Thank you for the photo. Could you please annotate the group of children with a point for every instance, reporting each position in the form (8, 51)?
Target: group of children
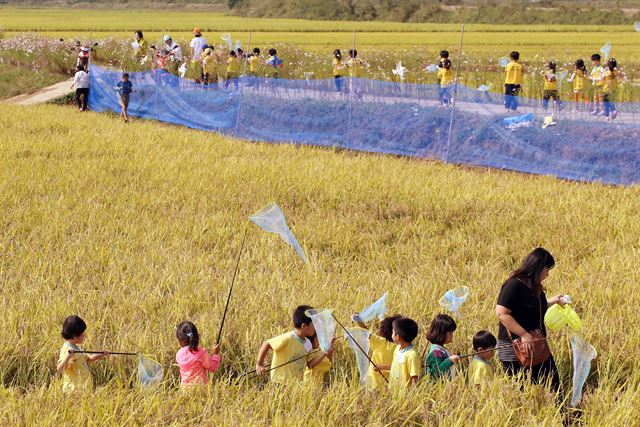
(340, 66)
(296, 354)
(236, 63)
(604, 80)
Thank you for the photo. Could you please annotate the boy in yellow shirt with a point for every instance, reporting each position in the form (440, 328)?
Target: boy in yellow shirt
(513, 82)
(446, 77)
(233, 69)
(406, 366)
(74, 368)
(597, 81)
(254, 62)
(480, 370)
(289, 350)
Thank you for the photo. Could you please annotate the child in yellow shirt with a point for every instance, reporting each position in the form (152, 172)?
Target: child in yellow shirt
(480, 369)
(233, 69)
(578, 80)
(597, 81)
(446, 77)
(354, 63)
(254, 62)
(513, 81)
(550, 88)
(609, 84)
(290, 348)
(210, 67)
(406, 366)
(381, 348)
(73, 366)
(317, 374)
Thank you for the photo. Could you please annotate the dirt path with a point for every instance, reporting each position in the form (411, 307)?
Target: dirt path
(43, 95)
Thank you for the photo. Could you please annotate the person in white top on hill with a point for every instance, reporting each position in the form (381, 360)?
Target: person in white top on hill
(81, 83)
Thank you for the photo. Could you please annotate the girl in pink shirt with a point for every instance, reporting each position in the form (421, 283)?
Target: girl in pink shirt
(194, 361)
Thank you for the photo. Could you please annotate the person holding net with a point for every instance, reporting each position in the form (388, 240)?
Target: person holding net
(72, 363)
(289, 350)
(194, 361)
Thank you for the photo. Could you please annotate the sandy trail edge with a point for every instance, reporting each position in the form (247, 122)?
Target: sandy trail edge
(43, 95)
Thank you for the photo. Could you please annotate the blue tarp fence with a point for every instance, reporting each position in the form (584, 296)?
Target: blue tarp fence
(393, 118)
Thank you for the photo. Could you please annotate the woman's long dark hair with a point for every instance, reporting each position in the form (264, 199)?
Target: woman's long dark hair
(531, 269)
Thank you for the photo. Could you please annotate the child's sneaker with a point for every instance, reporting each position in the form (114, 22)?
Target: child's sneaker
(594, 113)
(601, 113)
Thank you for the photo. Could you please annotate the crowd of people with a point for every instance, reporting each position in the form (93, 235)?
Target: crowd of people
(593, 91)
(395, 363)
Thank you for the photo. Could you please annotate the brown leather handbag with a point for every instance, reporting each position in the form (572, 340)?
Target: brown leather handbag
(538, 355)
(540, 352)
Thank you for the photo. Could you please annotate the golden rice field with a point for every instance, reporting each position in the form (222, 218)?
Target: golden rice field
(135, 227)
(480, 39)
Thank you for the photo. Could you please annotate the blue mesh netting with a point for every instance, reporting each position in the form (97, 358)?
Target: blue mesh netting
(393, 118)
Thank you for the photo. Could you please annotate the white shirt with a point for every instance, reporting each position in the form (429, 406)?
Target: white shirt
(81, 80)
(175, 50)
(197, 43)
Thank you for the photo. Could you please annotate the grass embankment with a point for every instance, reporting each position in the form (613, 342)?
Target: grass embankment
(136, 228)
(15, 80)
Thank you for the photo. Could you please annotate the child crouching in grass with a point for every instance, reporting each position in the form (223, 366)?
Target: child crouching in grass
(193, 360)
(481, 370)
(290, 349)
(439, 361)
(405, 367)
(73, 365)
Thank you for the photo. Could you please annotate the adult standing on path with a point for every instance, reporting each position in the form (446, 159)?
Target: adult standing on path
(522, 304)
(198, 44)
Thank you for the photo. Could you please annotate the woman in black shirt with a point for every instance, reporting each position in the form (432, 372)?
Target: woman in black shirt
(522, 304)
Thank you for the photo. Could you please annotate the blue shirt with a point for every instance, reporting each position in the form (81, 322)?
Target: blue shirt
(124, 88)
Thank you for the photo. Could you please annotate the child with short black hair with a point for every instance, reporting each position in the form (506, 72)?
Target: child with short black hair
(513, 81)
(254, 62)
(444, 55)
(446, 77)
(73, 365)
(354, 63)
(405, 367)
(274, 62)
(233, 69)
(439, 360)
(124, 88)
(597, 82)
(193, 360)
(382, 348)
(480, 369)
(289, 350)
